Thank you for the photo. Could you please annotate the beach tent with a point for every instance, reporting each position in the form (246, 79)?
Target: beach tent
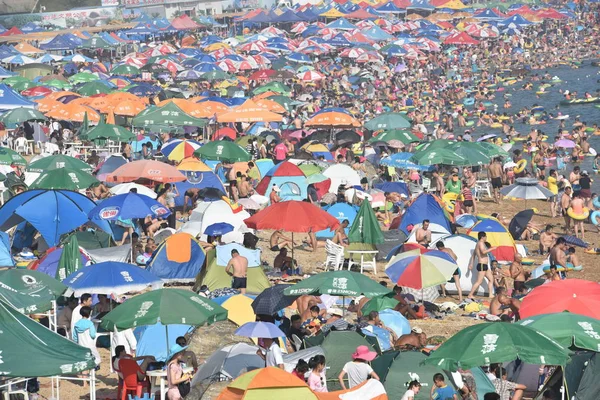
(24, 340)
(267, 383)
(391, 239)
(6, 259)
(338, 347)
(201, 177)
(463, 246)
(425, 206)
(48, 264)
(178, 259)
(437, 232)
(579, 378)
(215, 277)
(228, 362)
(498, 236)
(212, 212)
(288, 177)
(152, 339)
(371, 389)
(341, 174)
(10, 99)
(109, 165)
(341, 211)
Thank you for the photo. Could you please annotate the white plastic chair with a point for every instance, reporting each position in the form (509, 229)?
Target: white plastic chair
(21, 145)
(297, 342)
(483, 186)
(335, 255)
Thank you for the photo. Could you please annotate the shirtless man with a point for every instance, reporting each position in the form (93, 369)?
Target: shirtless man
(412, 339)
(495, 175)
(558, 257)
(547, 239)
(517, 273)
(99, 191)
(278, 241)
(245, 188)
(438, 183)
(483, 270)
(456, 275)
(274, 196)
(339, 235)
(578, 204)
(423, 234)
(190, 195)
(513, 304)
(495, 305)
(565, 203)
(237, 267)
(553, 274)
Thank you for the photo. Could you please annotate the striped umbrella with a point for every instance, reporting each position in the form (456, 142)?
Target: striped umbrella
(179, 149)
(419, 271)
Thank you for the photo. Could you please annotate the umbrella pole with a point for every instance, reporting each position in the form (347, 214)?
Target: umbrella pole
(292, 266)
(167, 332)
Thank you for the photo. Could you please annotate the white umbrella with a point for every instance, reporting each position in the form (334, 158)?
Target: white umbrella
(526, 188)
(124, 188)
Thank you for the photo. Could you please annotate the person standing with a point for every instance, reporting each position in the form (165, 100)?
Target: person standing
(84, 301)
(84, 333)
(495, 175)
(237, 268)
(481, 253)
(440, 390)
(358, 370)
(316, 378)
(271, 353)
(456, 275)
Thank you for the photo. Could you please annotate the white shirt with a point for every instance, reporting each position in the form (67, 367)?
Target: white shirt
(75, 316)
(274, 357)
(124, 338)
(409, 395)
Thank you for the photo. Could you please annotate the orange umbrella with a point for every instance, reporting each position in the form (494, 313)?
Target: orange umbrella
(208, 109)
(189, 107)
(129, 108)
(46, 104)
(271, 105)
(110, 118)
(100, 104)
(73, 112)
(193, 164)
(249, 112)
(265, 95)
(146, 169)
(333, 119)
(117, 97)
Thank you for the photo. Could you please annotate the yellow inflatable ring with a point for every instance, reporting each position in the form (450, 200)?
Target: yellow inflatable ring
(449, 199)
(520, 166)
(578, 217)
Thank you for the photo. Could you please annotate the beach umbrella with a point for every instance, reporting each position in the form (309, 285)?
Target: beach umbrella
(14, 79)
(222, 151)
(526, 188)
(259, 330)
(577, 296)
(37, 91)
(216, 75)
(179, 149)
(57, 83)
(472, 152)
(29, 291)
(337, 283)
(128, 206)
(70, 258)
(109, 131)
(402, 160)
(272, 300)
(83, 77)
(218, 229)
(15, 117)
(11, 157)
(94, 88)
(167, 306)
(124, 188)
(519, 222)
(125, 69)
(419, 271)
(58, 161)
(146, 169)
(24, 340)
(565, 144)
(64, 178)
(18, 60)
(169, 114)
(567, 329)
(403, 136)
(493, 342)
(575, 241)
(433, 156)
(365, 227)
(379, 303)
(388, 121)
(110, 277)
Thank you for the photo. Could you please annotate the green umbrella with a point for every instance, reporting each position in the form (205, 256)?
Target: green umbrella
(58, 161)
(435, 144)
(492, 150)
(16, 116)
(433, 156)
(365, 228)
(169, 114)
(125, 69)
(285, 101)
(29, 291)
(310, 169)
(70, 258)
(337, 283)
(94, 88)
(568, 329)
(387, 121)
(395, 134)
(23, 85)
(14, 79)
(379, 303)
(497, 342)
(30, 349)
(109, 131)
(64, 178)
(167, 306)
(223, 151)
(83, 77)
(471, 152)
(96, 42)
(276, 87)
(11, 157)
(216, 75)
(57, 83)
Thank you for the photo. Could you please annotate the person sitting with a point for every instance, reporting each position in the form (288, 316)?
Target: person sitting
(495, 304)
(339, 235)
(278, 241)
(573, 259)
(297, 330)
(314, 321)
(547, 239)
(121, 354)
(513, 304)
(416, 339)
(374, 320)
(404, 307)
(285, 264)
(504, 386)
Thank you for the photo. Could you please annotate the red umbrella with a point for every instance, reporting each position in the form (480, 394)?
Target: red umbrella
(225, 132)
(37, 91)
(577, 296)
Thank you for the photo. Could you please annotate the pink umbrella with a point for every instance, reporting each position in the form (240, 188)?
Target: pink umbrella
(565, 144)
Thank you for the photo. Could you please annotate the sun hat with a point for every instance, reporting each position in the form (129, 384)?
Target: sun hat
(174, 350)
(363, 353)
(416, 329)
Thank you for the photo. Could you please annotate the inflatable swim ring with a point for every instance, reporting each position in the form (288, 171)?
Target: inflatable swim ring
(488, 103)
(449, 199)
(470, 123)
(596, 202)
(594, 218)
(527, 261)
(562, 117)
(469, 102)
(537, 108)
(589, 129)
(591, 251)
(496, 125)
(578, 217)
(593, 152)
(520, 166)
(520, 139)
(539, 92)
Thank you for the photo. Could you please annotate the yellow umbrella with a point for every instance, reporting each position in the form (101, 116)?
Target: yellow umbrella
(239, 309)
(217, 46)
(332, 13)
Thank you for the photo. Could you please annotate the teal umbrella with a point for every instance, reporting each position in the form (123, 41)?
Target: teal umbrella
(365, 228)
(15, 117)
(63, 178)
(83, 77)
(276, 87)
(337, 283)
(29, 291)
(433, 156)
(58, 161)
(400, 135)
(70, 259)
(568, 329)
(216, 75)
(125, 69)
(11, 157)
(387, 121)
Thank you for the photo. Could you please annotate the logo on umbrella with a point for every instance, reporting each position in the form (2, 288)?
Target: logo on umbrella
(29, 280)
(109, 212)
(154, 172)
(159, 210)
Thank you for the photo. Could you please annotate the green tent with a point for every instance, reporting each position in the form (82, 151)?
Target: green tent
(96, 42)
(338, 347)
(64, 178)
(169, 114)
(15, 117)
(92, 240)
(387, 121)
(30, 349)
(29, 291)
(365, 228)
(70, 259)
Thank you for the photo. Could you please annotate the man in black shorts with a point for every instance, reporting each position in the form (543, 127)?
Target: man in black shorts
(238, 267)
(495, 175)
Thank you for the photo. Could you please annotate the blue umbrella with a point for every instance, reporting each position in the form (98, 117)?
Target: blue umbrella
(127, 206)
(144, 89)
(110, 277)
(52, 212)
(299, 58)
(575, 241)
(259, 330)
(218, 229)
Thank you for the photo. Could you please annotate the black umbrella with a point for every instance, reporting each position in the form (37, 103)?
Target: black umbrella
(519, 223)
(272, 300)
(320, 136)
(210, 193)
(347, 136)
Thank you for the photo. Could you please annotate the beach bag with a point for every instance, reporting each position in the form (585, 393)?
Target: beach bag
(184, 388)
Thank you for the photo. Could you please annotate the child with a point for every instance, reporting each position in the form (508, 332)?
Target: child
(316, 379)
(84, 332)
(440, 390)
(413, 389)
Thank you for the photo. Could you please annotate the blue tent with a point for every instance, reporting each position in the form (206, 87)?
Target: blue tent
(62, 42)
(287, 16)
(389, 8)
(420, 5)
(264, 165)
(308, 15)
(425, 206)
(141, 29)
(487, 15)
(516, 19)
(6, 259)
(197, 180)
(341, 24)
(391, 187)
(11, 99)
(4, 73)
(178, 259)
(341, 211)
(152, 339)
(377, 34)
(31, 27)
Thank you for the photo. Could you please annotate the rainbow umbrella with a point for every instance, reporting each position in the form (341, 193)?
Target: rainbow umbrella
(419, 271)
(178, 149)
(498, 236)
